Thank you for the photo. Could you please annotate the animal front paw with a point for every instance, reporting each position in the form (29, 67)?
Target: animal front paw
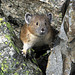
(24, 52)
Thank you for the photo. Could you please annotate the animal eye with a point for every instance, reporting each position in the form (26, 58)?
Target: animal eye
(36, 23)
(45, 23)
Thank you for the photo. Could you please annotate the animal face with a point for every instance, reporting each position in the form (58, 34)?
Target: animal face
(39, 24)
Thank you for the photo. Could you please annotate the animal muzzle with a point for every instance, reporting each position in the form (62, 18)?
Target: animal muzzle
(43, 31)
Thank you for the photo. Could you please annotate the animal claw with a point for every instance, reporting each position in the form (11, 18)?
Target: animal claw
(24, 55)
(24, 52)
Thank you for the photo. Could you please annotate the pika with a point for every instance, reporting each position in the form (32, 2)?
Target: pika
(37, 31)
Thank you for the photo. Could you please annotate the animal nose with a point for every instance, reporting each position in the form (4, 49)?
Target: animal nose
(42, 29)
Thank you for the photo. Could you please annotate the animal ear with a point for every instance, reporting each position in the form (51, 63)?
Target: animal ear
(49, 15)
(28, 18)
